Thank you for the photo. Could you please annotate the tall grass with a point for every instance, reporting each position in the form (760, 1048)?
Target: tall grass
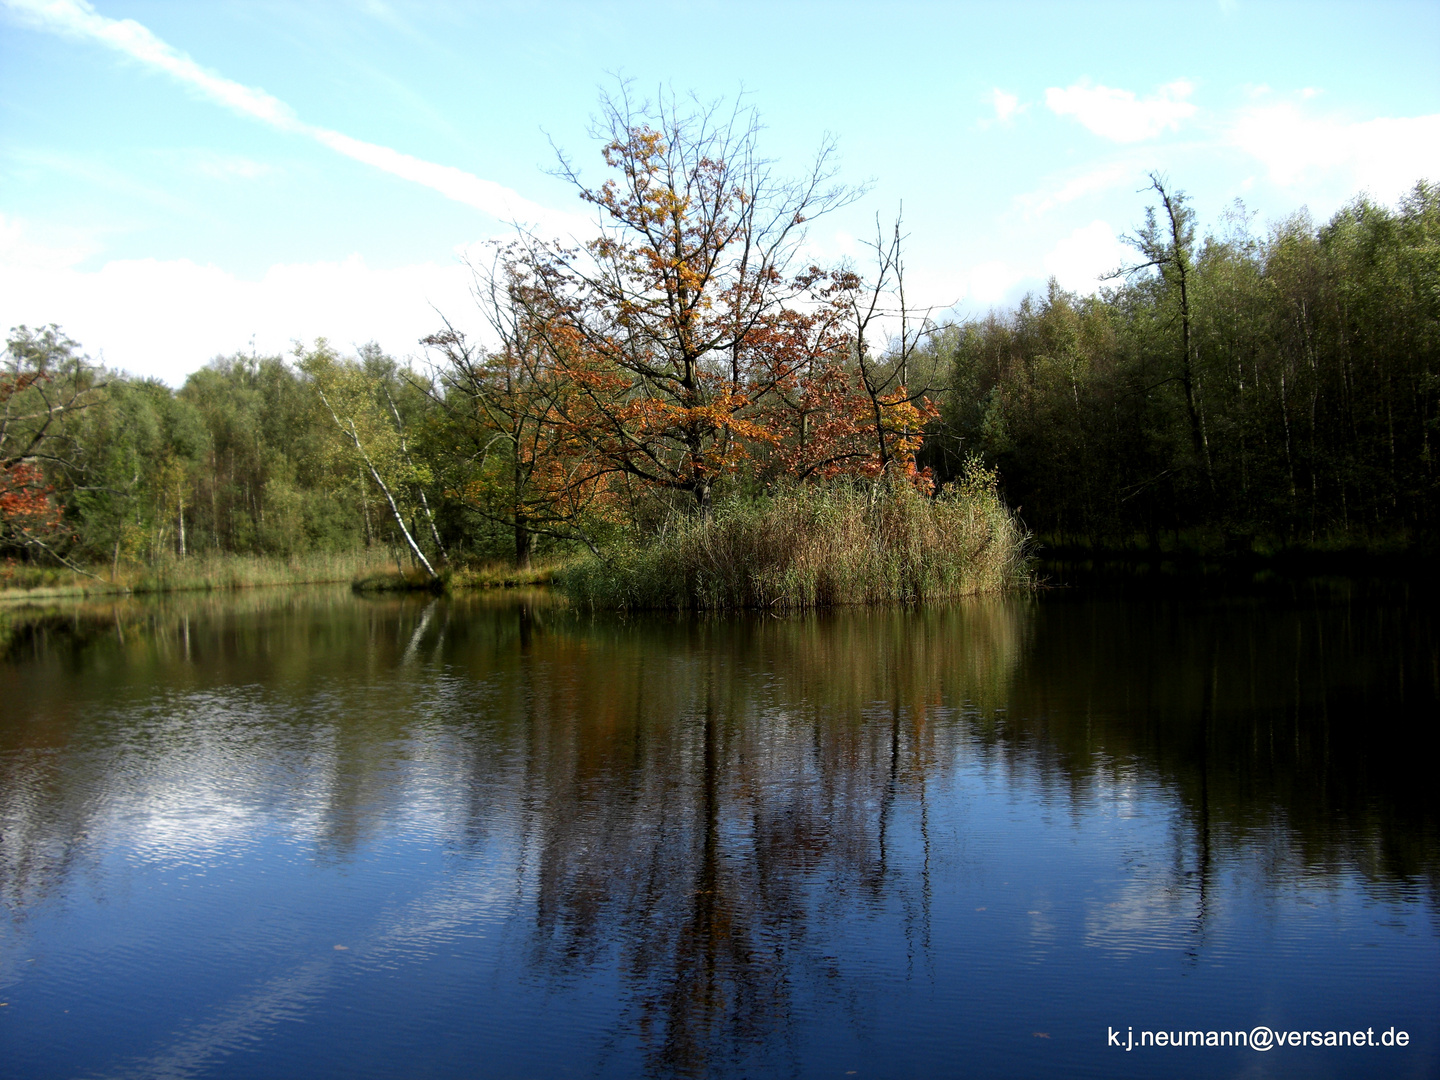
(818, 547)
(203, 572)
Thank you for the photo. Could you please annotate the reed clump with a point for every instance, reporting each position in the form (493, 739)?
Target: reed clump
(817, 547)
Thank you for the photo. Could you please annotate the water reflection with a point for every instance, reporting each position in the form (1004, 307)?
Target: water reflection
(707, 799)
(753, 834)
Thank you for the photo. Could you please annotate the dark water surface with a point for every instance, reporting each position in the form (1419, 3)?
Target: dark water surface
(303, 834)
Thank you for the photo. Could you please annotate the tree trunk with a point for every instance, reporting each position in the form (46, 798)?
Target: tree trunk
(522, 543)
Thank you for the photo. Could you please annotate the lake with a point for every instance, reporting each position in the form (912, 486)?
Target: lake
(313, 835)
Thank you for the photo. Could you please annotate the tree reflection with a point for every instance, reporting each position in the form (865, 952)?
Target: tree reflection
(1311, 721)
(724, 792)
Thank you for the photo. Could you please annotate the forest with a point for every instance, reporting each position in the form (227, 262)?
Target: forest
(1231, 388)
(1247, 390)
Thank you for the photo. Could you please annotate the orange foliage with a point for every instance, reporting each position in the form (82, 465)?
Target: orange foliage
(677, 347)
(28, 509)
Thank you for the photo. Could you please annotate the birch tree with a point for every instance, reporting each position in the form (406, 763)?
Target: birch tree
(369, 433)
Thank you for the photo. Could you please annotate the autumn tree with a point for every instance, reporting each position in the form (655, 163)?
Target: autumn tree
(522, 460)
(898, 409)
(656, 319)
(44, 384)
(838, 406)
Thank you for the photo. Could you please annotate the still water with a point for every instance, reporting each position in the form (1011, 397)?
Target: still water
(304, 834)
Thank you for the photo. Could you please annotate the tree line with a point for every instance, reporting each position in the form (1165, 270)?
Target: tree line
(1279, 387)
(1242, 389)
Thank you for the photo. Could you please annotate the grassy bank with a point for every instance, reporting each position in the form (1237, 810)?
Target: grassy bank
(809, 547)
(816, 548)
(372, 571)
(204, 572)
(488, 575)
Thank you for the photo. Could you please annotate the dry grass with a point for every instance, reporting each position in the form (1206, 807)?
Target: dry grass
(816, 548)
(500, 575)
(204, 572)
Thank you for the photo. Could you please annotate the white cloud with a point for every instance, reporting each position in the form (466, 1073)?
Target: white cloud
(989, 282)
(19, 251)
(166, 318)
(1118, 114)
(1006, 105)
(79, 19)
(1081, 261)
(1384, 156)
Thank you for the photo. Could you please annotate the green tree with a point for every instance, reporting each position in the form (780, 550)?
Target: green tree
(358, 402)
(1166, 243)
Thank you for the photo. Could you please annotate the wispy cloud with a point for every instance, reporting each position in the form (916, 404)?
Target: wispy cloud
(1120, 115)
(226, 166)
(1005, 105)
(1106, 177)
(100, 171)
(79, 19)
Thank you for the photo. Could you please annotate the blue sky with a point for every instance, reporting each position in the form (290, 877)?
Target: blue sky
(178, 180)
